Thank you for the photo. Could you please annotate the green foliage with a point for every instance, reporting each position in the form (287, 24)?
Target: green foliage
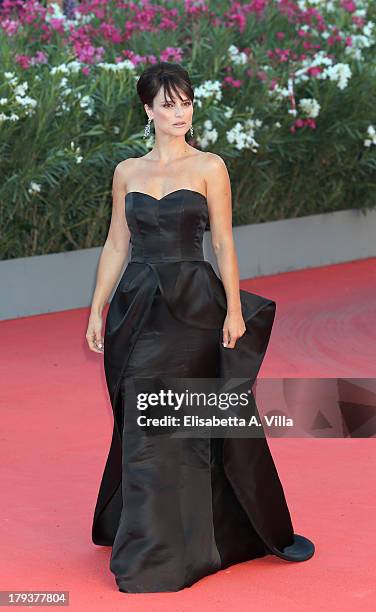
(58, 157)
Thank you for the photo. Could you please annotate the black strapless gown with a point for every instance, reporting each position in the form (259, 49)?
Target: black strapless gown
(177, 509)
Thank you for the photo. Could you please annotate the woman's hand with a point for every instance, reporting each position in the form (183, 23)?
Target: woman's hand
(94, 333)
(233, 328)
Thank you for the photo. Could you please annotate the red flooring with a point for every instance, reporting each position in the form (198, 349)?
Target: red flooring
(56, 433)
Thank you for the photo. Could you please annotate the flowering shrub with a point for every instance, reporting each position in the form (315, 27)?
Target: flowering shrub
(284, 92)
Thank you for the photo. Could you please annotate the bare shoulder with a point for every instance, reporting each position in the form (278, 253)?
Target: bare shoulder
(126, 165)
(216, 173)
(123, 171)
(214, 165)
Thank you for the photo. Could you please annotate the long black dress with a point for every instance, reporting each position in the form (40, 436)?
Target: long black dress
(177, 509)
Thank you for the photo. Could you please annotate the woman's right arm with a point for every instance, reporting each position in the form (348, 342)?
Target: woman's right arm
(112, 258)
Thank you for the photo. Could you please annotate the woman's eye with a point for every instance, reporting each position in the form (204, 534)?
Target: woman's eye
(167, 105)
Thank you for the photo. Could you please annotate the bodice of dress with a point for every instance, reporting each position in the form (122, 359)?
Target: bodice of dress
(166, 229)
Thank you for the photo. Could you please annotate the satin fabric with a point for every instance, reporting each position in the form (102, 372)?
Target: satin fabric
(175, 510)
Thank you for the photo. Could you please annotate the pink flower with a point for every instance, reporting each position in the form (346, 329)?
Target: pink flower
(234, 82)
(110, 32)
(279, 35)
(195, 7)
(87, 53)
(57, 25)
(10, 27)
(307, 45)
(39, 58)
(171, 54)
(335, 37)
(23, 60)
(314, 71)
(283, 54)
(300, 123)
(348, 5)
(359, 21)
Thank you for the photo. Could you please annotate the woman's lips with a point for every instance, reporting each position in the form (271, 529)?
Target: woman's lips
(179, 124)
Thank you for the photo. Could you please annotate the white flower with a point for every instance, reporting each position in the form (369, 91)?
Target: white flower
(62, 68)
(21, 89)
(372, 133)
(34, 188)
(85, 101)
(73, 66)
(208, 89)
(209, 137)
(322, 4)
(82, 19)
(26, 101)
(310, 107)
(237, 57)
(242, 136)
(228, 112)
(13, 117)
(340, 73)
(57, 12)
(360, 12)
(117, 67)
(279, 92)
(368, 28)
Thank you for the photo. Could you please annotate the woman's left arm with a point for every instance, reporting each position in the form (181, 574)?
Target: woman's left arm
(220, 215)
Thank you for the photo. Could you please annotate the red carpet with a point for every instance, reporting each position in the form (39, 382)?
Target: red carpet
(56, 432)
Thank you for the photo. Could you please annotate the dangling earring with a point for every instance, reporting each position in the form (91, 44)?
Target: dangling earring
(147, 128)
(191, 130)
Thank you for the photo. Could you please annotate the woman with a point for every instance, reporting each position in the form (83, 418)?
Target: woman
(175, 509)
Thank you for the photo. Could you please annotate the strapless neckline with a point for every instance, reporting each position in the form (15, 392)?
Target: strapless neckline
(166, 195)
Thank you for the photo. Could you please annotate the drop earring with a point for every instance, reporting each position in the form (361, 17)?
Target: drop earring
(147, 128)
(191, 130)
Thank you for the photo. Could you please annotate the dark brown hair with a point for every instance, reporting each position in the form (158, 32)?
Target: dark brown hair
(172, 77)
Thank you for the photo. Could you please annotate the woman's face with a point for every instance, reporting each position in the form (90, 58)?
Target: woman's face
(168, 113)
